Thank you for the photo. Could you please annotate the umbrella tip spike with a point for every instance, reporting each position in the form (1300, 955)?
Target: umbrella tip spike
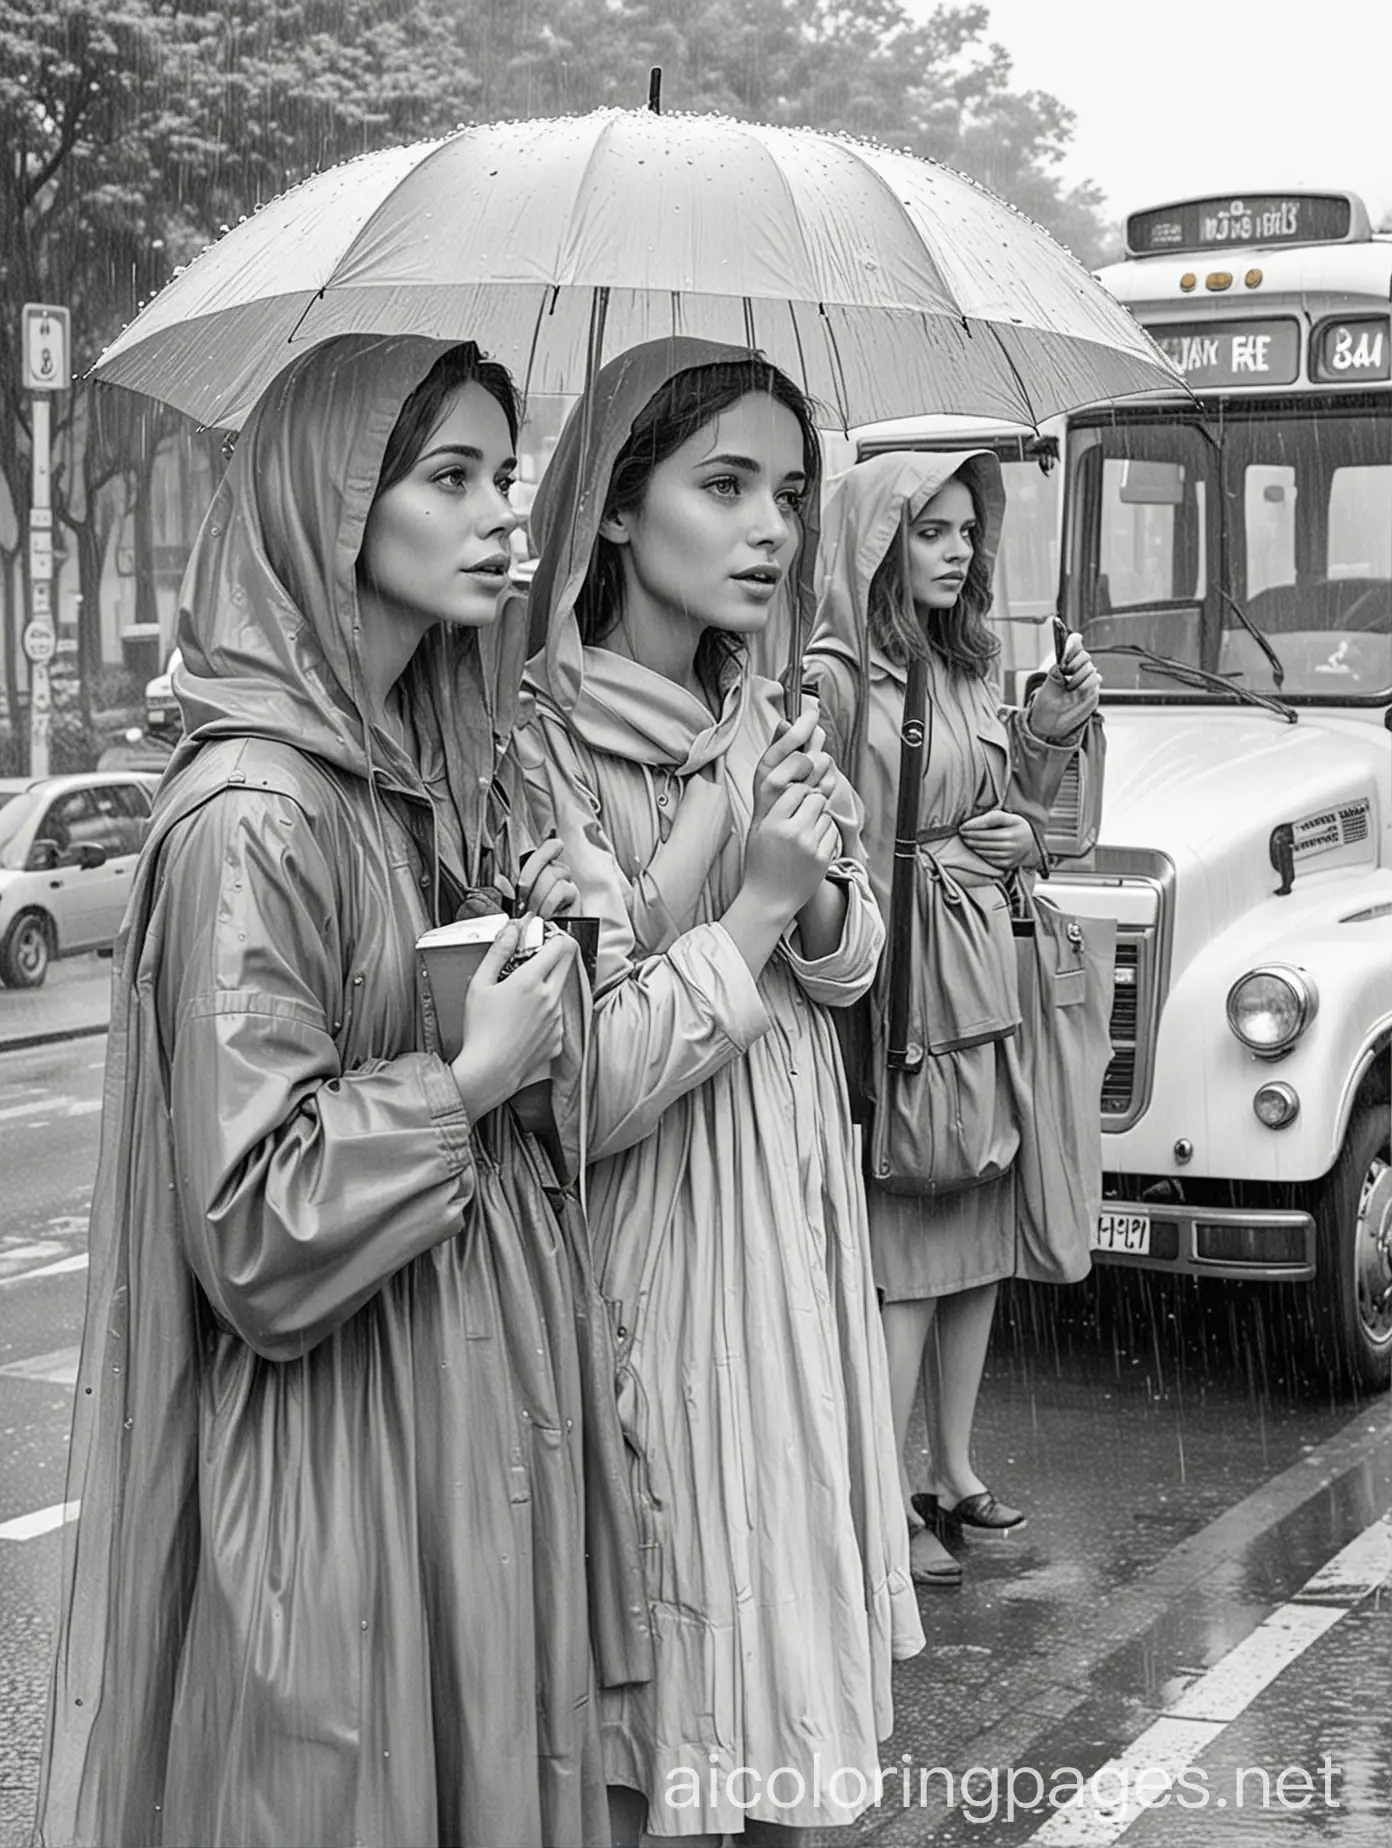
(655, 89)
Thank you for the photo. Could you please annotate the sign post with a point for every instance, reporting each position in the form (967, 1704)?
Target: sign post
(45, 361)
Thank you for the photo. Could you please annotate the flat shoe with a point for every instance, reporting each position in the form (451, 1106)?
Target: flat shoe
(981, 1512)
(928, 1564)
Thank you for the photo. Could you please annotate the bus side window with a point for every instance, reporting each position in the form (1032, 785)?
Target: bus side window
(1360, 522)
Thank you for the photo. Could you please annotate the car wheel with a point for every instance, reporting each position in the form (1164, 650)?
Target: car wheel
(26, 952)
(1353, 1219)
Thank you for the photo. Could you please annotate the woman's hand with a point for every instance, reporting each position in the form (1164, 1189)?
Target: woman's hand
(513, 1023)
(1068, 695)
(797, 755)
(544, 884)
(790, 848)
(1001, 839)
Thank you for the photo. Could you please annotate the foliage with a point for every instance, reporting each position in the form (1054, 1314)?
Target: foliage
(936, 87)
(131, 131)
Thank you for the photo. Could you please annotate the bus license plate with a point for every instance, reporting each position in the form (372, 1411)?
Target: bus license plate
(1128, 1232)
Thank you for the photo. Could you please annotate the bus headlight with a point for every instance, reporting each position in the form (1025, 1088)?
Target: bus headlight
(1270, 1007)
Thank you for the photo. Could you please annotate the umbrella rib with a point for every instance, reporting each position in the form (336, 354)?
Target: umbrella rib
(802, 356)
(304, 315)
(838, 371)
(1014, 373)
(544, 307)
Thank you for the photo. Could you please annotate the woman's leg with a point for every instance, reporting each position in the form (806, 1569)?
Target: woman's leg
(628, 1814)
(954, 1360)
(628, 1817)
(760, 1834)
(906, 1327)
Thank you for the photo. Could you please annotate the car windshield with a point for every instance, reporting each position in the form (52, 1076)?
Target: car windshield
(15, 817)
(1253, 541)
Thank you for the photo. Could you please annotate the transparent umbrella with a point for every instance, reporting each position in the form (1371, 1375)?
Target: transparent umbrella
(884, 284)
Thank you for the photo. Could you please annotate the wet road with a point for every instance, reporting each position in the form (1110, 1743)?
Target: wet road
(1203, 1591)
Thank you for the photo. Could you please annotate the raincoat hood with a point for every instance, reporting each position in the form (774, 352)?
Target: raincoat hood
(269, 620)
(864, 515)
(611, 702)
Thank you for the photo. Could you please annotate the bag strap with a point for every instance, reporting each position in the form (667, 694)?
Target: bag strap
(914, 735)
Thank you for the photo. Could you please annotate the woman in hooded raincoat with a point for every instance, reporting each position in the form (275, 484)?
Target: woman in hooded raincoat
(328, 1580)
(910, 540)
(725, 1199)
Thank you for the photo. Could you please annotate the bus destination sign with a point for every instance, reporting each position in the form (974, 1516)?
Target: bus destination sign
(1348, 352)
(1223, 223)
(1232, 352)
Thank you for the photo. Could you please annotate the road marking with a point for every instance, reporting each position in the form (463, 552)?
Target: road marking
(60, 1269)
(1107, 1806)
(84, 1106)
(18, 1110)
(57, 1368)
(42, 1521)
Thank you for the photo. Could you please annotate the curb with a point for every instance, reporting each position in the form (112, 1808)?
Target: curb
(25, 1040)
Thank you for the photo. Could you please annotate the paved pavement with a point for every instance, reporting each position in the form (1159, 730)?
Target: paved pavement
(74, 1000)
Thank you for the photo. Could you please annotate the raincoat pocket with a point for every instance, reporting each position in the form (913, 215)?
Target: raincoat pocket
(1056, 1069)
(942, 1120)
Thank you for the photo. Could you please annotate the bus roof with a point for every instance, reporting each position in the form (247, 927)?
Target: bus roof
(938, 428)
(1310, 271)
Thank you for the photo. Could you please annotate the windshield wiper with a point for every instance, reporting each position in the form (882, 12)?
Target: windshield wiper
(1189, 675)
(1278, 672)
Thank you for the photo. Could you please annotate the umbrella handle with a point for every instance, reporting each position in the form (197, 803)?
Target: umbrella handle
(912, 750)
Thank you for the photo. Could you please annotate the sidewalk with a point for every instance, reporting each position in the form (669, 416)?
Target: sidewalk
(75, 1000)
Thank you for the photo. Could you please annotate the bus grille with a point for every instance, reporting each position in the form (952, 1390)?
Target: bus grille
(1120, 1089)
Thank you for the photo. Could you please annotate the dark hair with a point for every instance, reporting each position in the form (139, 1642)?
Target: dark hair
(461, 365)
(959, 636)
(671, 417)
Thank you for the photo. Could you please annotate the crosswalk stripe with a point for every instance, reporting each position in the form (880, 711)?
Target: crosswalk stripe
(42, 1521)
(1110, 1802)
(59, 1268)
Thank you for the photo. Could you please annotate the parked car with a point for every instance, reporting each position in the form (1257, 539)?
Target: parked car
(137, 749)
(162, 716)
(68, 846)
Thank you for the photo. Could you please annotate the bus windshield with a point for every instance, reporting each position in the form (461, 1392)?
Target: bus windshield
(1192, 527)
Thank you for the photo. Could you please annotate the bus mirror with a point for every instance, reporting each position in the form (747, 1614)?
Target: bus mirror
(1152, 484)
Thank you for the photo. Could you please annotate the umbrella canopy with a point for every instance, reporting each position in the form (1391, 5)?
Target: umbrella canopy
(882, 283)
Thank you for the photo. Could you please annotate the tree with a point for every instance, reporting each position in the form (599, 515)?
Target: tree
(132, 131)
(935, 87)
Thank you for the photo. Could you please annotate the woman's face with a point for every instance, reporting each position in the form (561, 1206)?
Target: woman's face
(435, 547)
(718, 529)
(942, 538)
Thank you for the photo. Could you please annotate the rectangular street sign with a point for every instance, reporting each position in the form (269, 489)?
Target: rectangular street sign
(45, 347)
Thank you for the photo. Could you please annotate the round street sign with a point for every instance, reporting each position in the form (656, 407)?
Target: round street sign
(40, 642)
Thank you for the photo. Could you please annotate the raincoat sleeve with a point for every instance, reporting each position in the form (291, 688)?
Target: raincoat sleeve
(663, 1023)
(1037, 767)
(841, 977)
(846, 972)
(302, 1187)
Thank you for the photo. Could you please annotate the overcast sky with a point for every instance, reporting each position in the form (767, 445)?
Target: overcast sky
(1180, 97)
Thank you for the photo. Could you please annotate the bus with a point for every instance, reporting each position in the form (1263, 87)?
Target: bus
(1227, 555)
